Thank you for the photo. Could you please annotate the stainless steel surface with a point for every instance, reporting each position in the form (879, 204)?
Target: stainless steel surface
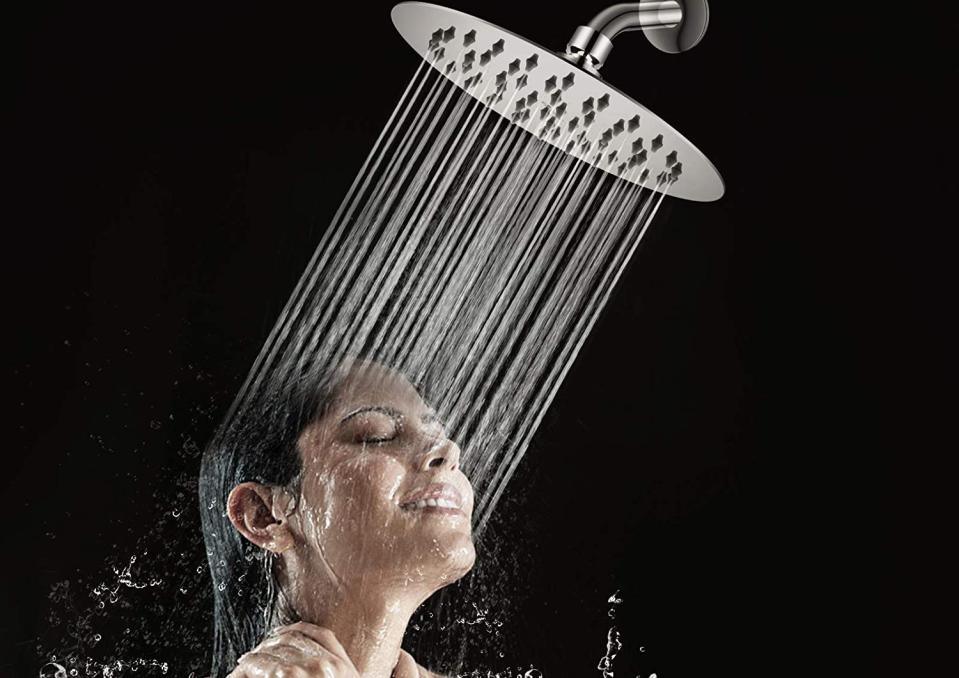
(634, 16)
(588, 49)
(685, 34)
(671, 25)
(565, 106)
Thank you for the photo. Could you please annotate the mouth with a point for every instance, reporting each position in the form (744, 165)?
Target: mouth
(438, 498)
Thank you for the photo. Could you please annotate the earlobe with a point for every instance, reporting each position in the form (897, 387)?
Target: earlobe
(256, 512)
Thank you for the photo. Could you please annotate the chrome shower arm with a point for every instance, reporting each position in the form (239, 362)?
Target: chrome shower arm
(634, 16)
(671, 25)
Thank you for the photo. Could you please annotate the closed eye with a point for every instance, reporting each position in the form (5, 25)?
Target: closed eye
(373, 425)
(374, 440)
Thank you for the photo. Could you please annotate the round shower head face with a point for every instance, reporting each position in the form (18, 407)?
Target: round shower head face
(563, 105)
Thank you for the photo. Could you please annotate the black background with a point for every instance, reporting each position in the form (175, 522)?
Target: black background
(752, 446)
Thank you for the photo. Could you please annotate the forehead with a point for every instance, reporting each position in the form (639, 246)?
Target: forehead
(375, 384)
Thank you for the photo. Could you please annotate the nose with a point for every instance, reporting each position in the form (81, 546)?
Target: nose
(441, 452)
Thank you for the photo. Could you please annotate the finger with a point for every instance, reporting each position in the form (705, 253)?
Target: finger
(323, 636)
(289, 654)
(296, 639)
(290, 663)
(406, 666)
(258, 665)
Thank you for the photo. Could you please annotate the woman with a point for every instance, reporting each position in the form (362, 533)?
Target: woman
(345, 508)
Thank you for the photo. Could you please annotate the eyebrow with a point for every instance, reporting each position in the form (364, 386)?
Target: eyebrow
(427, 418)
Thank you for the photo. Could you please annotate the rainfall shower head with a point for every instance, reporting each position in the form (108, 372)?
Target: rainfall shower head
(561, 97)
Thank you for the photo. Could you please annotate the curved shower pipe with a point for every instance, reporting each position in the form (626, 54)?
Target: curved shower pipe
(671, 25)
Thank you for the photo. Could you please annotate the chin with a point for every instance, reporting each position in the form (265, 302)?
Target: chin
(458, 555)
(444, 555)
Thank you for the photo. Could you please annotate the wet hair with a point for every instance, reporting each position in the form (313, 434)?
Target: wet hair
(258, 444)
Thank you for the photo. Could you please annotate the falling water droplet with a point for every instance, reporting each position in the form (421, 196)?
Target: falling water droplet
(53, 670)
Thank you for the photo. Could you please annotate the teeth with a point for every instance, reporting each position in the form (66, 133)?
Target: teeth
(441, 502)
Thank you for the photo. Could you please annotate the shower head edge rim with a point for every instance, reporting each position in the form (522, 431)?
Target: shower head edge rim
(708, 174)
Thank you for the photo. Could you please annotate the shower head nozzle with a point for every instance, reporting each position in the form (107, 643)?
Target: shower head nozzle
(567, 104)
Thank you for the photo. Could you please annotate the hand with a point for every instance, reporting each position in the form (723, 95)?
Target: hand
(407, 667)
(300, 650)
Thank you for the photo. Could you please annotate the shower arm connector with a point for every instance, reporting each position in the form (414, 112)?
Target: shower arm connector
(673, 26)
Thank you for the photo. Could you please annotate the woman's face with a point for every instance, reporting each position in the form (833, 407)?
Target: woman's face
(383, 499)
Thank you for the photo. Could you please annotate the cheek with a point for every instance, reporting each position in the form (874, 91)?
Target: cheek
(356, 495)
(368, 484)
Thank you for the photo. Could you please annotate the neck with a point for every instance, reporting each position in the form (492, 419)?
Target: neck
(369, 622)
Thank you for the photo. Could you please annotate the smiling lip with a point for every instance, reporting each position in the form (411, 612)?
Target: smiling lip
(434, 498)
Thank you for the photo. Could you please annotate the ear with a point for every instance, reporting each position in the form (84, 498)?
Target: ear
(259, 512)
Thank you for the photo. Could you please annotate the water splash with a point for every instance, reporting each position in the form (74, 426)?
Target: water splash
(53, 670)
(517, 672)
(146, 613)
(613, 646)
(614, 600)
(124, 578)
(613, 642)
